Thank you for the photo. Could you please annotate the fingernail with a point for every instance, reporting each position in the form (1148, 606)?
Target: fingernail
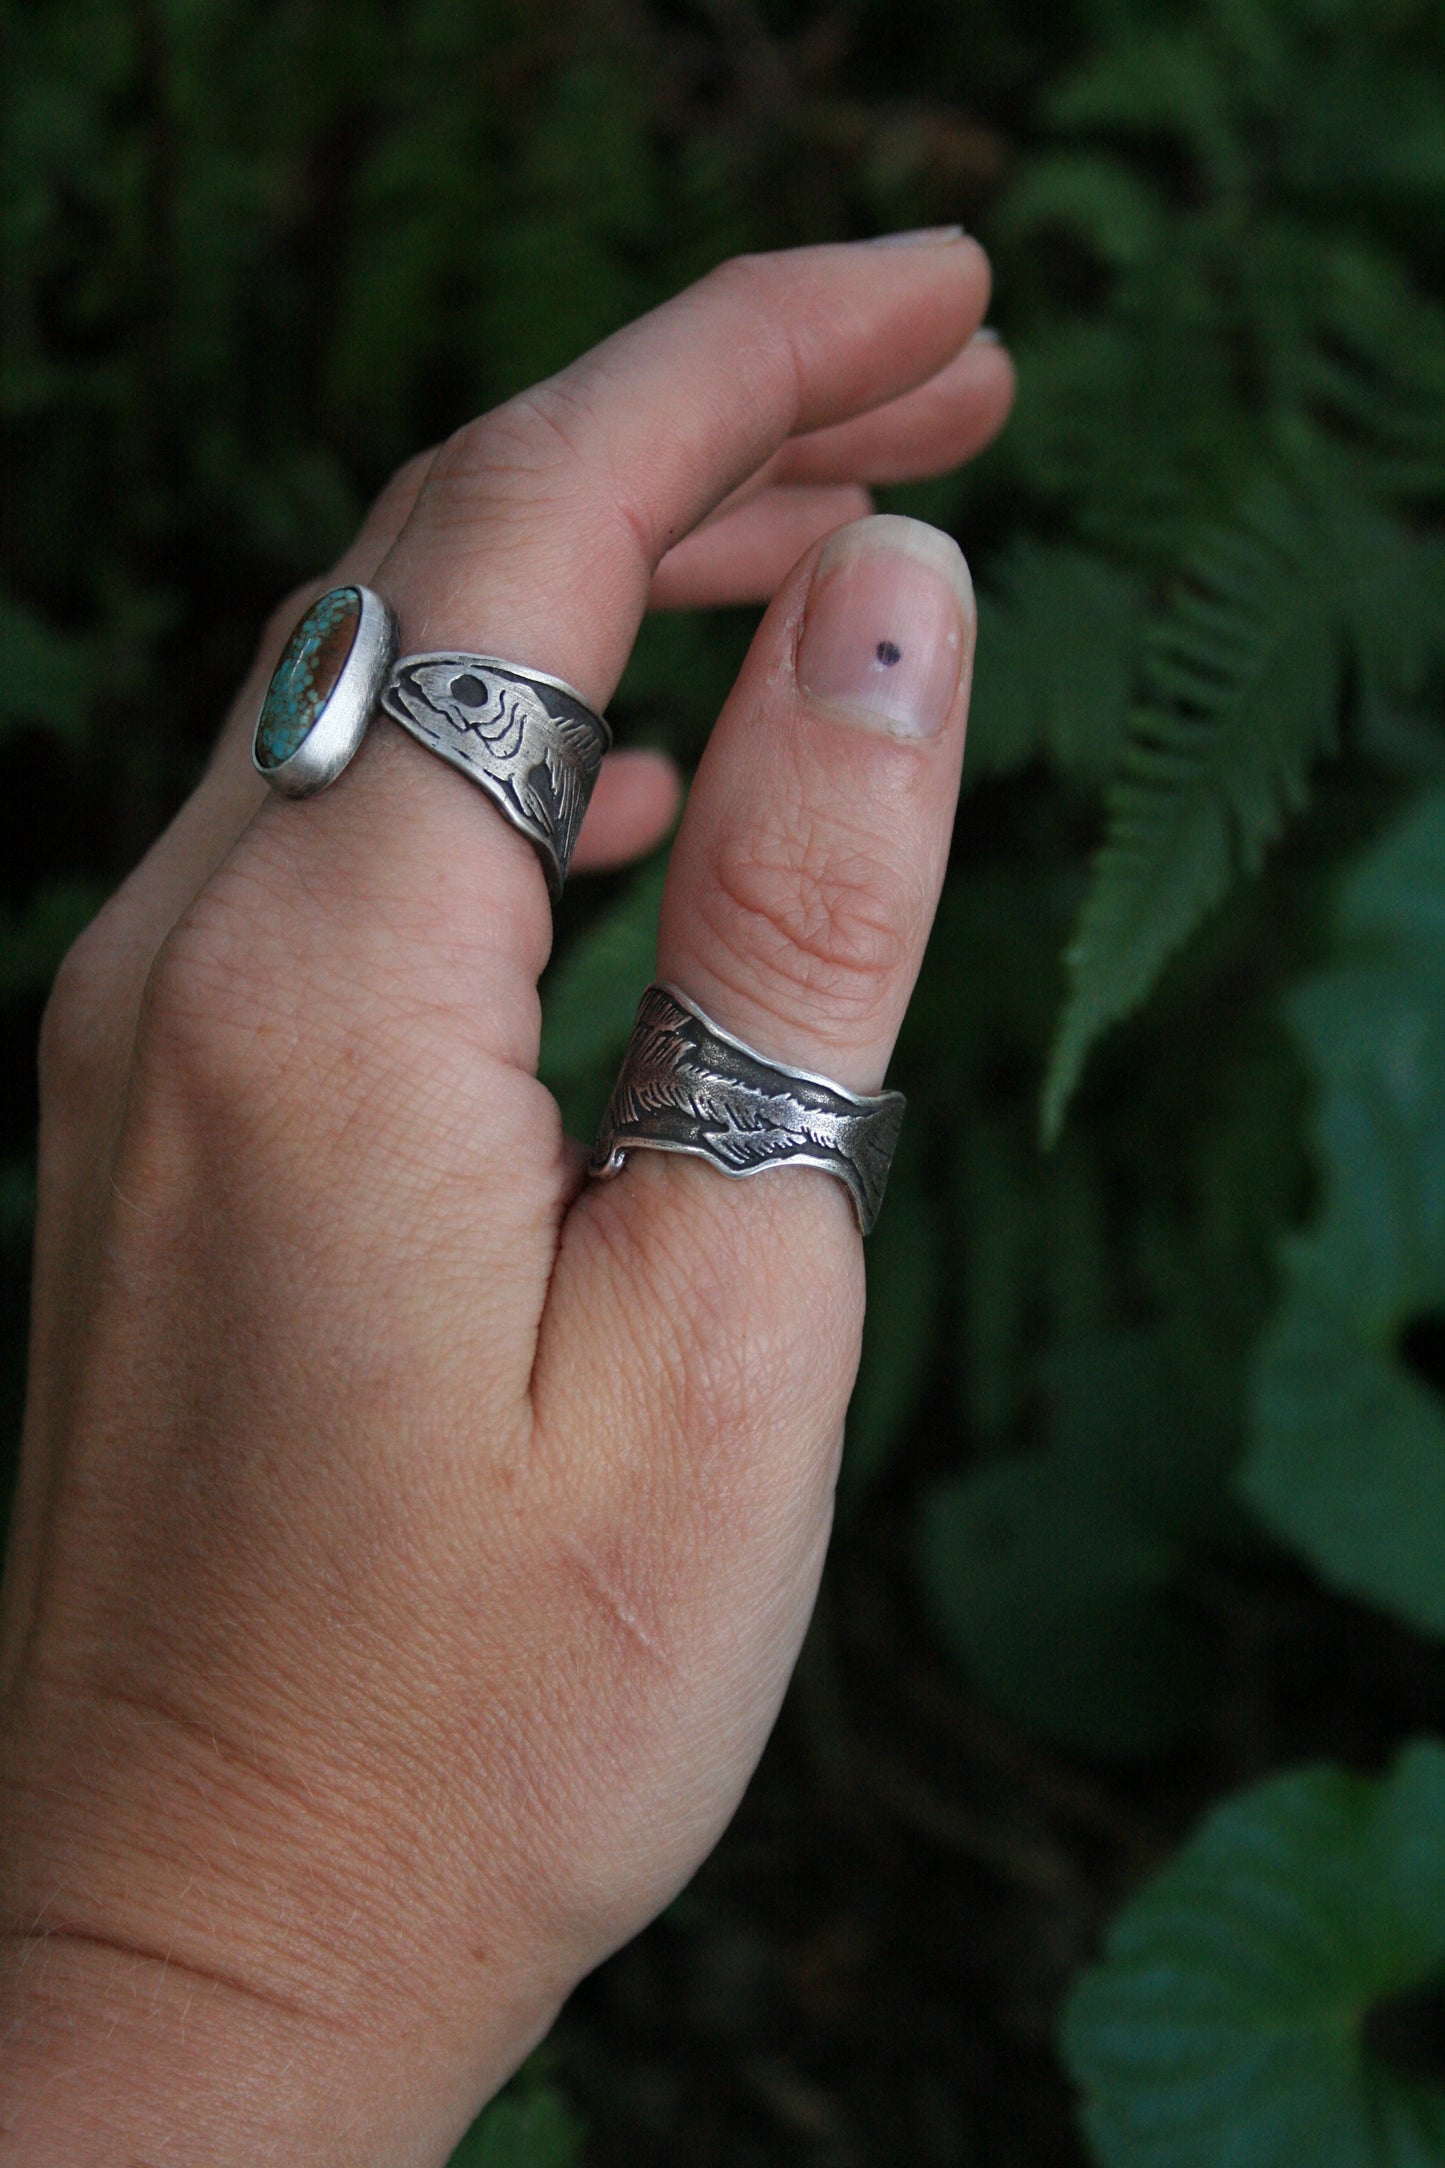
(917, 236)
(986, 336)
(887, 617)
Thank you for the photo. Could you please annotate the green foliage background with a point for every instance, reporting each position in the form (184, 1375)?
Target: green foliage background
(1157, 1331)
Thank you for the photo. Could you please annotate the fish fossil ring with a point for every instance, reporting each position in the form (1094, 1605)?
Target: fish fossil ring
(686, 1085)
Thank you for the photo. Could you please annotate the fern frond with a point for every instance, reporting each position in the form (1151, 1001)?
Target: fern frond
(1241, 692)
(1056, 653)
(1376, 377)
(1117, 212)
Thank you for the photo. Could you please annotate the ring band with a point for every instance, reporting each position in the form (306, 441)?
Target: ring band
(686, 1085)
(528, 739)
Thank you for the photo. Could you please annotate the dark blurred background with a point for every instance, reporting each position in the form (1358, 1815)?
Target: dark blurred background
(257, 251)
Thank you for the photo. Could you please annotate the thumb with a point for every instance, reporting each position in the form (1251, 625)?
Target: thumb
(701, 1335)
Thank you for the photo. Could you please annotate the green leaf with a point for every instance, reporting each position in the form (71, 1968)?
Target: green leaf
(17, 1205)
(1109, 205)
(1241, 681)
(1348, 1462)
(1225, 2025)
(536, 2130)
(1394, 899)
(1055, 658)
(903, 1259)
(591, 995)
(46, 677)
(34, 939)
(1347, 1454)
(1057, 1605)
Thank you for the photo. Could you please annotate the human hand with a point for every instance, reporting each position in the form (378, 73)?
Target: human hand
(413, 1544)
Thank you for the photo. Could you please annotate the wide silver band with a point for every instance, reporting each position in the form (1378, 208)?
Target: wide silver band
(686, 1085)
(530, 740)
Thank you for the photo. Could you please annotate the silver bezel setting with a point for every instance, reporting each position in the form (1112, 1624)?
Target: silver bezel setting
(338, 730)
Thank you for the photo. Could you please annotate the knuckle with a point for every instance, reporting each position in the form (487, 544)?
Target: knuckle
(400, 492)
(178, 1032)
(534, 442)
(544, 453)
(732, 1366)
(213, 1010)
(770, 365)
(746, 277)
(809, 913)
(757, 1370)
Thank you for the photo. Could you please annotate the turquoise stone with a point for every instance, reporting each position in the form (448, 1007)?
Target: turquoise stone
(307, 674)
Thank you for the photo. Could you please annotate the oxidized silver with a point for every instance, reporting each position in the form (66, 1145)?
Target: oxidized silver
(686, 1085)
(530, 740)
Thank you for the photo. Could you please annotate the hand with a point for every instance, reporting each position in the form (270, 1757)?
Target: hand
(413, 1542)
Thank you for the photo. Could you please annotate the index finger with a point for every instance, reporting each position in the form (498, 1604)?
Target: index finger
(542, 524)
(535, 536)
(399, 914)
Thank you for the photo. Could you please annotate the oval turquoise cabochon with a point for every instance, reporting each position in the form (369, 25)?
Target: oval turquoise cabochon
(306, 676)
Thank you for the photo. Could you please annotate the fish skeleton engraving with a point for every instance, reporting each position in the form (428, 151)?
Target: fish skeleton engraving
(744, 1124)
(686, 1087)
(532, 745)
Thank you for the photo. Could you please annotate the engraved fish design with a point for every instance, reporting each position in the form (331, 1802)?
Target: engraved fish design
(684, 1084)
(534, 746)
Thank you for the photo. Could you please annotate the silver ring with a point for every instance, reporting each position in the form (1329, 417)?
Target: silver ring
(530, 740)
(686, 1085)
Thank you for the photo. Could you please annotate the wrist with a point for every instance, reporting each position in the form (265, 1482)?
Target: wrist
(116, 2054)
(197, 1971)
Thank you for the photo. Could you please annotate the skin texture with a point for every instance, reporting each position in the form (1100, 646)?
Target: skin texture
(413, 1544)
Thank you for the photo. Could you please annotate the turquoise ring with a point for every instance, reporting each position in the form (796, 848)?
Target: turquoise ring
(324, 690)
(529, 740)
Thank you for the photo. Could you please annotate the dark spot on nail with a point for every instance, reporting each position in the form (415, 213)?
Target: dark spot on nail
(888, 653)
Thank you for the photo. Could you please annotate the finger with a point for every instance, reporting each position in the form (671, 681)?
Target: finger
(537, 534)
(636, 443)
(746, 549)
(814, 483)
(805, 875)
(938, 425)
(737, 557)
(633, 806)
(701, 1334)
(927, 429)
